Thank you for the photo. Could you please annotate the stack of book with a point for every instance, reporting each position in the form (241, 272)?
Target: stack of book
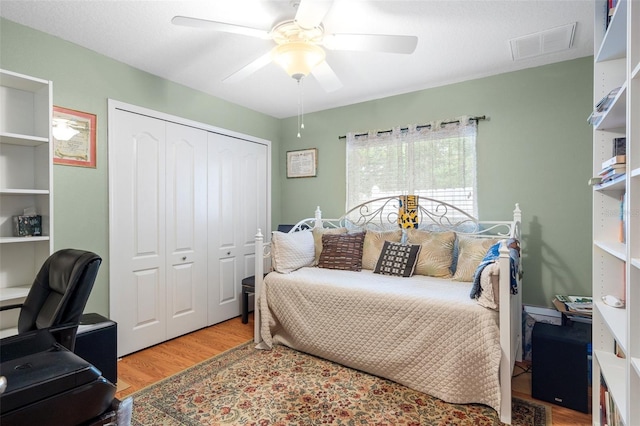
(602, 107)
(576, 308)
(613, 168)
(609, 413)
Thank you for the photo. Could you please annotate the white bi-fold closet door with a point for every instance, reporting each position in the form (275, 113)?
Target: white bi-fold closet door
(185, 204)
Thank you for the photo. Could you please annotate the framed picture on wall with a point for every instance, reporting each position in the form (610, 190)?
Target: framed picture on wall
(302, 163)
(74, 137)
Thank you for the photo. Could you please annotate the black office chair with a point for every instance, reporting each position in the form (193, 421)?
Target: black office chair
(42, 381)
(59, 294)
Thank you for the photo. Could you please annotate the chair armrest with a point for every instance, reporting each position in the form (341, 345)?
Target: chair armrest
(7, 307)
(65, 334)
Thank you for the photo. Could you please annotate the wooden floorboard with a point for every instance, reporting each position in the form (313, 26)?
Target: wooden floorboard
(148, 366)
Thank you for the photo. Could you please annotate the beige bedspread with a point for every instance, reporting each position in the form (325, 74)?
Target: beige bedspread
(425, 333)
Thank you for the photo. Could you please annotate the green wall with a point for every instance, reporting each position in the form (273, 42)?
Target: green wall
(84, 80)
(534, 149)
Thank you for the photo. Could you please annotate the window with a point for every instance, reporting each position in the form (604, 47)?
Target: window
(436, 161)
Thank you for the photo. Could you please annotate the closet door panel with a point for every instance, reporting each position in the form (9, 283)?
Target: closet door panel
(137, 245)
(253, 204)
(186, 229)
(227, 288)
(224, 192)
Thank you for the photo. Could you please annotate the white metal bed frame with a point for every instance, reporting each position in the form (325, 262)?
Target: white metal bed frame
(382, 213)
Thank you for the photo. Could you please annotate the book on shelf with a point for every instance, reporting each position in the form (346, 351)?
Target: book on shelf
(613, 170)
(577, 308)
(609, 413)
(611, 9)
(619, 146)
(615, 160)
(596, 180)
(623, 225)
(602, 107)
(599, 180)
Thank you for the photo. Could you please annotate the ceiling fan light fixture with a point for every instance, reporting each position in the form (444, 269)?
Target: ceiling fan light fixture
(298, 58)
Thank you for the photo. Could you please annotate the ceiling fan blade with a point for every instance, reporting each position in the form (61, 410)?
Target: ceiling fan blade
(249, 69)
(371, 43)
(186, 21)
(311, 12)
(326, 77)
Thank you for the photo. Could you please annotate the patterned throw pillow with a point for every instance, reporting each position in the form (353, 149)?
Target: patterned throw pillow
(373, 241)
(397, 259)
(317, 238)
(471, 251)
(436, 252)
(342, 251)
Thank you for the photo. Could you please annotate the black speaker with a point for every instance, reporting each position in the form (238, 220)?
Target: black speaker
(560, 365)
(97, 343)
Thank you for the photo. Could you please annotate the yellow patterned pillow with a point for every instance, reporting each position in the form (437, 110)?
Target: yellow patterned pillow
(317, 238)
(471, 251)
(373, 242)
(436, 253)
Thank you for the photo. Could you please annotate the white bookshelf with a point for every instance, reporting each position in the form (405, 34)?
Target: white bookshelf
(616, 262)
(26, 180)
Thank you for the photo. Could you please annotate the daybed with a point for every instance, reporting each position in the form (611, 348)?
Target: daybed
(453, 333)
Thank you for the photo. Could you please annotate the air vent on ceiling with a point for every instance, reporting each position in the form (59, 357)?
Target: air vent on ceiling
(543, 42)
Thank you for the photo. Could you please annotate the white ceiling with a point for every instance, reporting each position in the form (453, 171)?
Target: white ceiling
(458, 40)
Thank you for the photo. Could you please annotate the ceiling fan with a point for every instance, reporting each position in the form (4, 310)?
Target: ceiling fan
(300, 43)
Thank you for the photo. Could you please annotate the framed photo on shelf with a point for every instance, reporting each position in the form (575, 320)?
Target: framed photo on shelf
(302, 163)
(74, 137)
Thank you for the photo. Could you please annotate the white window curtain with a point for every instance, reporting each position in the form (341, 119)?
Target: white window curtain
(436, 160)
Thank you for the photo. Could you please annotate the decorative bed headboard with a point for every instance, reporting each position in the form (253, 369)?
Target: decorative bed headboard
(409, 211)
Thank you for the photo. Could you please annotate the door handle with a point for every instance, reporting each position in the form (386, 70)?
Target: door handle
(184, 257)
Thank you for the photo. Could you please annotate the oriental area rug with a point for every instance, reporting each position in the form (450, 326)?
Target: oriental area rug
(246, 386)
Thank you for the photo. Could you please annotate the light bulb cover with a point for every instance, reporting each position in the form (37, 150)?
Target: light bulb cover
(298, 58)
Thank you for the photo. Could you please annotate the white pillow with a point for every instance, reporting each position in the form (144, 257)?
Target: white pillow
(291, 251)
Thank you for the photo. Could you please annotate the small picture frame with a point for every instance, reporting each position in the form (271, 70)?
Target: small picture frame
(74, 137)
(302, 163)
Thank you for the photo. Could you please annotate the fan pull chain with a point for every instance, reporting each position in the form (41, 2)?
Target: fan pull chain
(300, 107)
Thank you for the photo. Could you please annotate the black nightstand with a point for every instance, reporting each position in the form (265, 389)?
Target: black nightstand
(248, 287)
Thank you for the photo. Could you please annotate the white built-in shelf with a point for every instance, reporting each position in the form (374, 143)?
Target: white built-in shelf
(10, 240)
(615, 265)
(24, 191)
(24, 140)
(614, 371)
(616, 116)
(14, 293)
(22, 82)
(614, 248)
(636, 365)
(614, 44)
(616, 321)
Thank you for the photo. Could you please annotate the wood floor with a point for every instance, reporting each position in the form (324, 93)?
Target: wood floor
(150, 365)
